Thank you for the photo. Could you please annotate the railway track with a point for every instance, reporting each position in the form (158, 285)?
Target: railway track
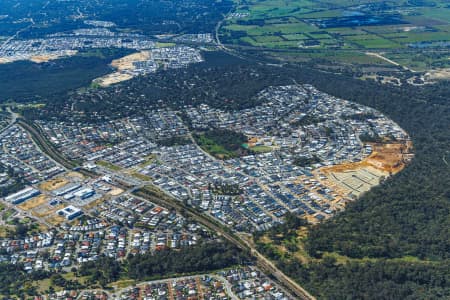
(262, 262)
(159, 197)
(46, 146)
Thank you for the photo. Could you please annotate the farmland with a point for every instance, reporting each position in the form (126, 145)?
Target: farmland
(346, 27)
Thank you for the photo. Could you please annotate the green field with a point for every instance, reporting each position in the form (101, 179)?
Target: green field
(322, 25)
(213, 148)
(108, 165)
(222, 144)
(261, 149)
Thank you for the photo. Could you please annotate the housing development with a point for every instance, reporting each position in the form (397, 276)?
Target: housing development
(306, 153)
(224, 149)
(297, 124)
(152, 56)
(236, 283)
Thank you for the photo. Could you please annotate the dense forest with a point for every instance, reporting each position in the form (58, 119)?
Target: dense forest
(201, 258)
(14, 281)
(381, 279)
(340, 277)
(207, 82)
(27, 81)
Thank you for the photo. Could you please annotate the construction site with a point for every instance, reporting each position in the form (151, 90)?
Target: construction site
(353, 179)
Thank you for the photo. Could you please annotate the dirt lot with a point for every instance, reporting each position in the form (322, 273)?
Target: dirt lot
(115, 192)
(126, 62)
(122, 65)
(112, 78)
(356, 178)
(390, 157)
(75, 175)
(96, 202)
(53, 184)
(33, 202)
(40, 58)
(46, 58)
(438, 74)
(55, 219)
(46, 210)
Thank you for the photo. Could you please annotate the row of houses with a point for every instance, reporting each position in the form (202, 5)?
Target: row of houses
(19, 153)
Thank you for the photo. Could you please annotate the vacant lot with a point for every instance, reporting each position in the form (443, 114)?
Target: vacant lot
(53, 184)
(33, 203)
(108, 165)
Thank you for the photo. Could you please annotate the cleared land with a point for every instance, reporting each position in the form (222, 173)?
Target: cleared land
(438, 74)
(53, 184)
(46, 58)
(73, 174)
(33, 203)
(115, 192)
(122, 65)
(112, 78)
(42, 58)
(356, 178)
(55, 220)
(45, 211)
(126, 62)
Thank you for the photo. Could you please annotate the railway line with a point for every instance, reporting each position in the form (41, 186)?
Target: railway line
(262, 262)
(157, 196)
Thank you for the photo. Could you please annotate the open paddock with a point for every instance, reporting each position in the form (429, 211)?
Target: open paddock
(389, 27)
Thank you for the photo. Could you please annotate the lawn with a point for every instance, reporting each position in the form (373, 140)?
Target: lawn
(261, 149)
(108, 165)
(141, 176)
(414, 37)
(295, 37)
